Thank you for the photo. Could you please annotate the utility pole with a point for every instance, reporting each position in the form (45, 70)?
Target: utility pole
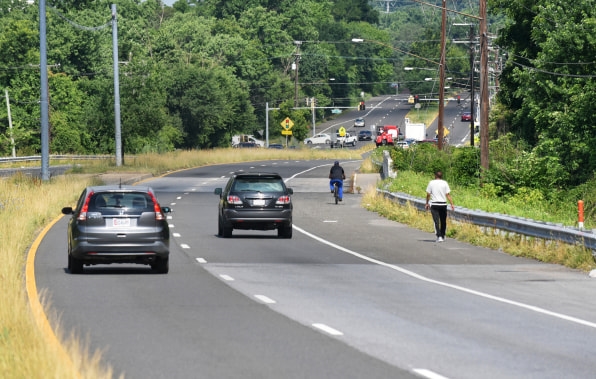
(118, 131)
(14, 154)
(440, 130)
(472, 99)
(295, 67)
(43, 63)
(483, 88)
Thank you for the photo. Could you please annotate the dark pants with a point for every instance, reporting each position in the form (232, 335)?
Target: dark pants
(439, 213)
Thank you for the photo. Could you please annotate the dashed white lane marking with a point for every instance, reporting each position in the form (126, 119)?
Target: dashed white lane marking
(452, 286)
(265, 299)
(179, 197)
(428, 374)
(328, 329)
(226, 277)
(331, 221)
(184, 246)
(171, 225)
(172, 204)
(201, 260)
(168, 217)
(176, 234)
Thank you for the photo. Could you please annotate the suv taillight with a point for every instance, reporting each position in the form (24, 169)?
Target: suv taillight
(85, 208)
(156, 208)
(283, 200)
(233, 199)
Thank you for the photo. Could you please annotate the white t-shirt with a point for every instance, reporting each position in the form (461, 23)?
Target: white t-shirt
(438, 190)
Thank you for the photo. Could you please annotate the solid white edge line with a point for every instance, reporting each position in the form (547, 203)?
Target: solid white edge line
(327, 329)
(428, 374)
(448, 285)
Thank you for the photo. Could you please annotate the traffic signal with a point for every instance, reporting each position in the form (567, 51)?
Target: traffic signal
(416, 99)
(458, 99)
(361, 106)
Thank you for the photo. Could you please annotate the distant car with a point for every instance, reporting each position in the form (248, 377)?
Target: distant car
(359, 122)
(365, 135)
(466, 116)
(118, 224)
(244, 145)
(319, 138)
(276, 146)
(402, 144)
(258, 200)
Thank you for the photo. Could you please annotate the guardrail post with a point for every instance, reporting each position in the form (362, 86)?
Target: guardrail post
(388, 166)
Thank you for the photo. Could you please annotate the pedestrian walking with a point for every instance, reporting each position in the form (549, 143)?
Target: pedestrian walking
(437, 194)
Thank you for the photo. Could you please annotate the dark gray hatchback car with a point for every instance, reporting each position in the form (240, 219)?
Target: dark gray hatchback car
(257, 200)
(118, 224)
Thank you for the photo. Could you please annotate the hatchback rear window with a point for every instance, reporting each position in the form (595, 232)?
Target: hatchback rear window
(129, 200)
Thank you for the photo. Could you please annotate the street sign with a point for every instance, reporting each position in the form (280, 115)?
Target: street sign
(286, 132)
(336, 111)
(287, 123)
(342, 132)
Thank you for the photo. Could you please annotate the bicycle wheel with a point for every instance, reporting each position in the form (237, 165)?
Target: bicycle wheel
(336, 193)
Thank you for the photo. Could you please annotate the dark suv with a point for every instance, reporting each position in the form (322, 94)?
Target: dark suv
(257, 200)
(365, 135)
(118, 224)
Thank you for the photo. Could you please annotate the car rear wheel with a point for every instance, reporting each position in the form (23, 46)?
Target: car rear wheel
(161, 266)
(226, 231)
(75, 266)
(309, 142)
(284, 231)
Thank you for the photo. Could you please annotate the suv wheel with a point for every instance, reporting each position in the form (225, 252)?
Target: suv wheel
(226, 231)
(75, 266)
(284, 231)
(161, 266)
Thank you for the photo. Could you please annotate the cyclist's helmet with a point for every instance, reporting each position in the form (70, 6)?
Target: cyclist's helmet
(336, 163)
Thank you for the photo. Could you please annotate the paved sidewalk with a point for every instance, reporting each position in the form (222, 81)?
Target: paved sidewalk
(366, 181)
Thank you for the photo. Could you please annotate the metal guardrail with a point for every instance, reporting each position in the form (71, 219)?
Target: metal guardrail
(33, 158)
(497, 221)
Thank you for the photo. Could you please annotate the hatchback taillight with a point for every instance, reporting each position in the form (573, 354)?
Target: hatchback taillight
(156, 208)
(233, 199)
(283, 200)
(85, 208)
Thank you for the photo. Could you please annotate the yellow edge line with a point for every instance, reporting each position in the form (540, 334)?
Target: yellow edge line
(36, 307)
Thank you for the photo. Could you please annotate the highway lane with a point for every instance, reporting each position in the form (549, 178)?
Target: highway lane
(351, 295)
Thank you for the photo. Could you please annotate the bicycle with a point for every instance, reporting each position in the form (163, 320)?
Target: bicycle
(336, 192)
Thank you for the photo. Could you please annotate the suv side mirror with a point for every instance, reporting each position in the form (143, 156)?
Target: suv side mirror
(217, 191)
(67, 210)
(290, 191)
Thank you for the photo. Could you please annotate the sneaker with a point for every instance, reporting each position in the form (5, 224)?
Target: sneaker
(331, 191)
(440, 239)
(340, 199)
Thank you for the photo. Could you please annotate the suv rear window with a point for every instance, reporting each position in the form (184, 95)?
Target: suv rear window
(258, 184)
(131, 200)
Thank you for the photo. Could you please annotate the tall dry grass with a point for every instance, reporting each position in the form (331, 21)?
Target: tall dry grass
(26, 351)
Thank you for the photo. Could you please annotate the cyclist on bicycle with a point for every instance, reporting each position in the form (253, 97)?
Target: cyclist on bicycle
(337, 175)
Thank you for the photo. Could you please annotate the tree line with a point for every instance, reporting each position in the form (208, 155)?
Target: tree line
(191, 75)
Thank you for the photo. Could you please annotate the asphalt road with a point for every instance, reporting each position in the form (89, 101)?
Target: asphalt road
(351, 295)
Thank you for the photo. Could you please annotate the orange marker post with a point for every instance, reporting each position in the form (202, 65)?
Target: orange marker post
(580, 213)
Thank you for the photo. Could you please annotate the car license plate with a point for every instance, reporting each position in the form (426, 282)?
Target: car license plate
(120, 222)
(258, 202)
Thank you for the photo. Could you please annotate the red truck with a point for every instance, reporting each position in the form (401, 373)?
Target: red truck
(386, 135)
